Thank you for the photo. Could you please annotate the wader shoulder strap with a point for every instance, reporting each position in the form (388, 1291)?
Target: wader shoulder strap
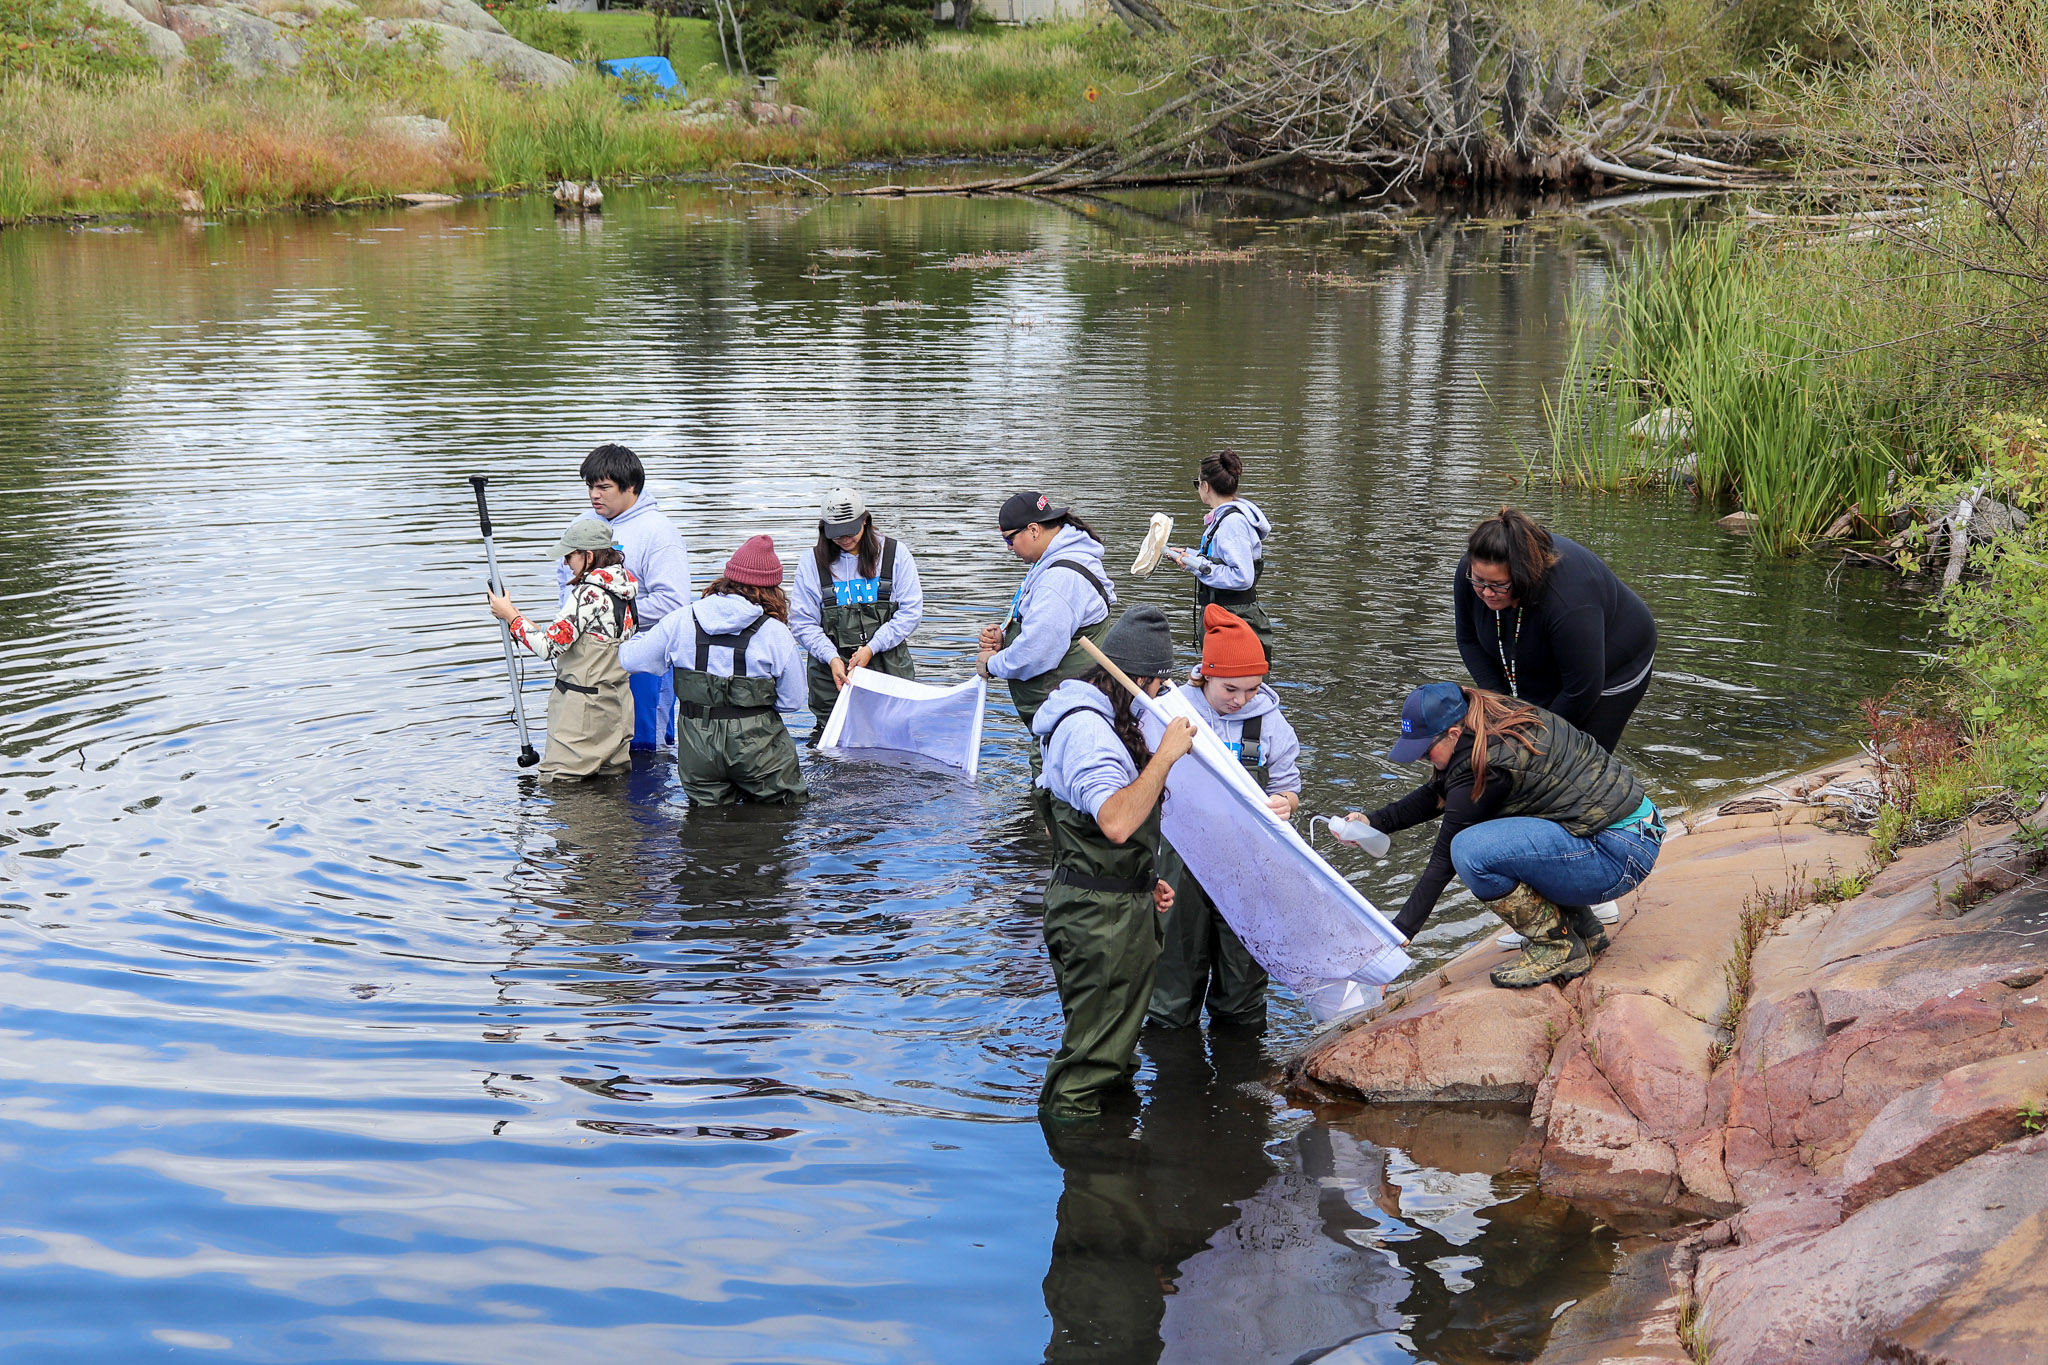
(737, 643)
(1251, 751)
(821, 555)
(1209, 535)
(1082, 569)
(885, 590)
(622, 610)
(1065, 716)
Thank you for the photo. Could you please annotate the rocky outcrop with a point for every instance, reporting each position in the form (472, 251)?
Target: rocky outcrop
(252, 38)
(1883, 1046)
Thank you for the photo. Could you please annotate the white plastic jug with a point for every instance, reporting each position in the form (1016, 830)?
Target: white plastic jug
(1357, 832)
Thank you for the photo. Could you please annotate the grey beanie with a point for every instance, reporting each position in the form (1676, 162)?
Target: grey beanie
(585, 533)
(842, 512)
(1141, 642)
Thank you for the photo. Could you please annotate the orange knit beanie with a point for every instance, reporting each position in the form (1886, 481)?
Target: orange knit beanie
(1230, 649)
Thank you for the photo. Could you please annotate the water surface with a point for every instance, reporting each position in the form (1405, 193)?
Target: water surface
(329, 1037)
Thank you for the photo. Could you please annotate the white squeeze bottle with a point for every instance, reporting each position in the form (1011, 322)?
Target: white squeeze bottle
(1358, 832)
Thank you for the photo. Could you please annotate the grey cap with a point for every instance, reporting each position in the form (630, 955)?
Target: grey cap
(842, 512)
(1141, 642)
(585, 533)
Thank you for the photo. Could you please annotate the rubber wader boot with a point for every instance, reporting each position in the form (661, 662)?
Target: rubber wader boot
(1581, 920)
(1201, 960)
(1554, 953)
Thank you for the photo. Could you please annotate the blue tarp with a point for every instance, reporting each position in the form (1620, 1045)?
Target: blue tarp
(655, 68)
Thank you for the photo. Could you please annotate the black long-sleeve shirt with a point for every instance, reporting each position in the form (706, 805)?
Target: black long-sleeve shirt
(1458, 810)
(1587, 633)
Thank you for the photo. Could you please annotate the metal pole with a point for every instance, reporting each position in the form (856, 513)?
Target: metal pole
(527, 757)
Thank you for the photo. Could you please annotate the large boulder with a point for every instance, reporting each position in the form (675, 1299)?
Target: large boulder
(502, 55)
(146, 17)
(1943, 1124)
(249, 45)
(1898, 1271)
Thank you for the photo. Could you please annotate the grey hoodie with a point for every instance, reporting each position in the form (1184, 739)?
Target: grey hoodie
(1086, 763)
(1282, 747)
(1056, 605)
(1231, 546)
(772, 653)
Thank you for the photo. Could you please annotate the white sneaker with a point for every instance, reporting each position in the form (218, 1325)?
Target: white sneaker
(1511, 940)
(1607, 912)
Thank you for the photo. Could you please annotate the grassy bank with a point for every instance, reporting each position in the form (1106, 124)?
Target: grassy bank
(148, 144)
(1862, 366)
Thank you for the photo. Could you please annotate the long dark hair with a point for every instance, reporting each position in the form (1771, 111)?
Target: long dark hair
(1516, 539)
(1123, 717)
(1221, 472)
(770, 600)
(1489, 713)
(600, 559)
(870, 550)
(1073, 520)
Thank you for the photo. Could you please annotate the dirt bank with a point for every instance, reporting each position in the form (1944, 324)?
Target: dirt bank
(1852, 1108)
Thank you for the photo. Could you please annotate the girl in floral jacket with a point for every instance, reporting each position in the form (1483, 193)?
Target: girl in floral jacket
(590, 712)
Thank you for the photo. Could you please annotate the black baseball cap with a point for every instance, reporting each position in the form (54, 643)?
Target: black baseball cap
(1021, 509)
(1429, 711)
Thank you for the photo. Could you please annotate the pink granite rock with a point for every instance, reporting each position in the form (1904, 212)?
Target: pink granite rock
(1943, 1124)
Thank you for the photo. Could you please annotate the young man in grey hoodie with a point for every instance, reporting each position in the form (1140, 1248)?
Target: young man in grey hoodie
(657, 556)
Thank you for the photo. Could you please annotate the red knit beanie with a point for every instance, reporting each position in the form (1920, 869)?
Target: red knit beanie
(1230, 648)
(755, 564)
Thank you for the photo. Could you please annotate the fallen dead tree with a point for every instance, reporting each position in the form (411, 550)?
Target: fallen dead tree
(1384, 95)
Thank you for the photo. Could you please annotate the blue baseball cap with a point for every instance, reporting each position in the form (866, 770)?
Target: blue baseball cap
(1429, 711)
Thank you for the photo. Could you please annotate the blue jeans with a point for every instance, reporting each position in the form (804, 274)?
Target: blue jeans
(1555, 863)
(654, 709)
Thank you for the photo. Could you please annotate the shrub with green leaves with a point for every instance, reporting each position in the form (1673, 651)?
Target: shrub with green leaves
(340, 57)
(68, 41)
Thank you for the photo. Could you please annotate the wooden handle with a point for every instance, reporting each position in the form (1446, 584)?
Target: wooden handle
(1112, 669)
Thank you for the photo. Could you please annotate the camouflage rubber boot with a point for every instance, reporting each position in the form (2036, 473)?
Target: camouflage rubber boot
(1581, 920)
(1553, 953)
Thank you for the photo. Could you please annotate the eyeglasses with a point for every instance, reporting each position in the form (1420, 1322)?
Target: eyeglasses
(1486, 588)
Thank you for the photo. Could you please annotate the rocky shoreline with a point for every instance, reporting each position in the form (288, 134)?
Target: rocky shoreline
(1846, 1099)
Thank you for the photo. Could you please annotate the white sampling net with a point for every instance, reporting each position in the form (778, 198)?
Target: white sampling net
(876, 711)
(1294, 913)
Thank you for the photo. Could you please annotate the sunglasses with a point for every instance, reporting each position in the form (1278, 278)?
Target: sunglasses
(1010, 537)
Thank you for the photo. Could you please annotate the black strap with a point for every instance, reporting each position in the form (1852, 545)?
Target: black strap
(622, 610)
(1128, 886)
(694, 711)
(885, 590)
(1249, 738)
(564, 685)
(1078, 567)
(1224, 597)
(1209, 536)
(1045, 745)
(737, 643)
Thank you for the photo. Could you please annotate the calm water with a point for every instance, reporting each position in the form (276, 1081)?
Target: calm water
(329, 1038)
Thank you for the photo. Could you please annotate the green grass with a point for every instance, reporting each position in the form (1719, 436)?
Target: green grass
(624, 33)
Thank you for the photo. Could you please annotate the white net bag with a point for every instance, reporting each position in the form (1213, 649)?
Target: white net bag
(890, 715)
(1294, 913)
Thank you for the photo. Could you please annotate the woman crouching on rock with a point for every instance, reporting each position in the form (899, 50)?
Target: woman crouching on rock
(1538, 820)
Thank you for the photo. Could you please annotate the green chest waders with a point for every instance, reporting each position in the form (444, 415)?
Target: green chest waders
(1028, 694)
(1102, 934)
(850, 625)
(731, 746)
(1243, 602)
(1201, 959)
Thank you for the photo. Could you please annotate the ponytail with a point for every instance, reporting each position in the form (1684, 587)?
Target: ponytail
(1503, 717)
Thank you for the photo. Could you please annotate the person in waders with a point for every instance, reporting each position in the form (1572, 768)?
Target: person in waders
(1535, 816)
(875, 602)
(1103, 904)
(1230, 559)
(659, 561)
(1064, 596)
(590, 710)
(735, 666)
(1202, 961)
